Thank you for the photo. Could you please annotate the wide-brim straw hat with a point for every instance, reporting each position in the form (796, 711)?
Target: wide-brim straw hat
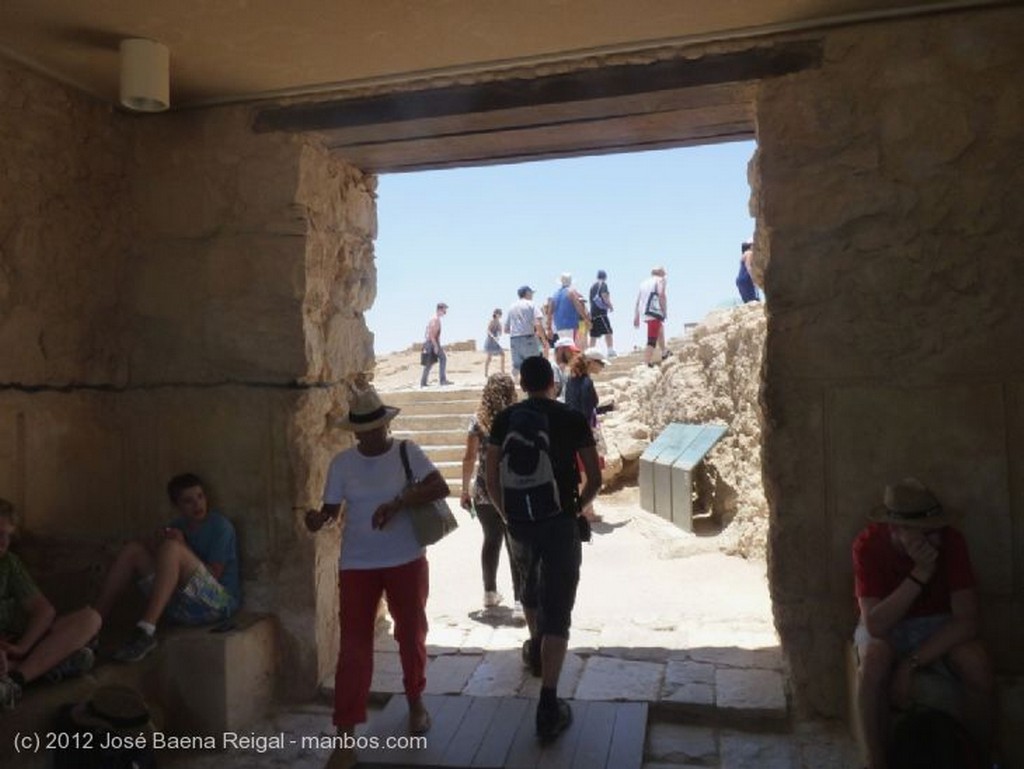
(910, 503)
(366, 412)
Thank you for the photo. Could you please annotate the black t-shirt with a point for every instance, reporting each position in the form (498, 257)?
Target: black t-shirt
(597, 303)
(569, 433)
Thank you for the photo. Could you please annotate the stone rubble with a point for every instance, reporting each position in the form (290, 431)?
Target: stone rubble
(712, 376)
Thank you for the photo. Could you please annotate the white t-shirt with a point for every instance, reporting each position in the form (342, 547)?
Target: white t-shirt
(365, 483)
(651, 286)
(521, 317)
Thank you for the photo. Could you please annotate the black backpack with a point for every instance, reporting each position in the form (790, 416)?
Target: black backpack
(528, 487)
(932, 739)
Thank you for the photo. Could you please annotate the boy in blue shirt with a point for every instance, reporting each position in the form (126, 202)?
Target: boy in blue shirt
(188, 570)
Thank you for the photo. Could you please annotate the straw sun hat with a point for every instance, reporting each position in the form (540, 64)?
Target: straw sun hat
(910, 503)
(366, 412)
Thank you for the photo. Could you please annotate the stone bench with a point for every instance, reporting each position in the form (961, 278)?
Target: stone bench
(196, 682)
(939, 692)
(666, 470)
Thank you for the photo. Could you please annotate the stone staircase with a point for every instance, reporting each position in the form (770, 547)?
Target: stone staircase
(437, 420)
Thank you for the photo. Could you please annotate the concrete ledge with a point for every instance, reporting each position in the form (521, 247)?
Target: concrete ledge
(216, 682)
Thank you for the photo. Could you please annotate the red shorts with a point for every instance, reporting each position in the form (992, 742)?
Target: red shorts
(653, 331)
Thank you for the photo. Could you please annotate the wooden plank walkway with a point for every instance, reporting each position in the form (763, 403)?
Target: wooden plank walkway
(493, 732)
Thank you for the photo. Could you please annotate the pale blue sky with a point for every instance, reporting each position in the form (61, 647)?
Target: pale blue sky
(470, 237)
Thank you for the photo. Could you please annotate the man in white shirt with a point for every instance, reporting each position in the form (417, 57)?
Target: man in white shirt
(652, 305)
(524, 325)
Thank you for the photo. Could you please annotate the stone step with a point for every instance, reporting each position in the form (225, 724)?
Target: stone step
(444, 453)
(426, 422)
(418, 395)
(419, 408)
(434, 437)
(450, 471)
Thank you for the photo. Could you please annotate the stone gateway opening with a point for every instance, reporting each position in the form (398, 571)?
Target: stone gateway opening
(187, 291)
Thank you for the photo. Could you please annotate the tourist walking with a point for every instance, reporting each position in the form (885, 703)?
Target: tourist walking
(380, 555)
(581, 396)
(652, 307)
(532, 480)
(600, 306)
(745, 280)
(499, 393)
(565, 312)
(492, 344)
(433, 352)
(525, 329)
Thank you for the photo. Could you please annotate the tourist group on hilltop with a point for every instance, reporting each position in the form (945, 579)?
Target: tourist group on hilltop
(566, 321)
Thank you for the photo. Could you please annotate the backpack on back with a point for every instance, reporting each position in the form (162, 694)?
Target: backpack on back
(528, 487)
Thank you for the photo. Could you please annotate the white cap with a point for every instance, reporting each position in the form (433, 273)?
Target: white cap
(595, 354)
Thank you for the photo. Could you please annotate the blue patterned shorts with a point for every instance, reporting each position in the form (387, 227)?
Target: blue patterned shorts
(202, 601)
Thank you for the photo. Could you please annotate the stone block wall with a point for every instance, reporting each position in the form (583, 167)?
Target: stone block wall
(62, 226)
(178, 293)
(887, 193)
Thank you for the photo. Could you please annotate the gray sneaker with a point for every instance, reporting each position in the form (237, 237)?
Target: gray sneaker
(136, 649)
(10, 693)
(76, 664)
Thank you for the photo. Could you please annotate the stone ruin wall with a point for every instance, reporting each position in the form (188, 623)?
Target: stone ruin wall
(177, 293)
(887, 193)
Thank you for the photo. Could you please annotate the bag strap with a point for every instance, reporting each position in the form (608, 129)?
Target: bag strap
(405, 461)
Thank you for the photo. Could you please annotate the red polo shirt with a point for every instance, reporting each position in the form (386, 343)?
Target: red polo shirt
(879, 567)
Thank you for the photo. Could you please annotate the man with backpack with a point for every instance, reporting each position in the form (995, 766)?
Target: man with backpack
(533, 480)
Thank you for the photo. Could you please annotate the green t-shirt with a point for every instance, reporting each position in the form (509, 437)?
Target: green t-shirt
(16, 587)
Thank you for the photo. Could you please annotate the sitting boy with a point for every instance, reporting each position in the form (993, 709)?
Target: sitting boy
(918, 608)
(189, 569)
(33, 640)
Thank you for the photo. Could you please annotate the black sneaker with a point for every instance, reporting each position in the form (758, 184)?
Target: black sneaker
(531, 656)
(551, 722)
(136, 649)
(76, 664)
(10, 693)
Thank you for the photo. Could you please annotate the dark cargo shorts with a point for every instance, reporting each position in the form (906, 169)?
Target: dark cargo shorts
(548, 555)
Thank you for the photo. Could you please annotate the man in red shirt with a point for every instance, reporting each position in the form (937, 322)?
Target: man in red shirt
(918, 607)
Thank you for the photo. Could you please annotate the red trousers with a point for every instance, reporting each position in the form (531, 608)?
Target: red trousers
(406, 588)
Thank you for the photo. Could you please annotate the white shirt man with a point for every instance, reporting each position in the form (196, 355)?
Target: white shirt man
(524, 325)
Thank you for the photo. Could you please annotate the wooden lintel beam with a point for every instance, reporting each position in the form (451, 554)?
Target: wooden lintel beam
(601, 83)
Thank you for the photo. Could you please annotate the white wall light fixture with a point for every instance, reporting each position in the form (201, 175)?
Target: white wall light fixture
(145, 75)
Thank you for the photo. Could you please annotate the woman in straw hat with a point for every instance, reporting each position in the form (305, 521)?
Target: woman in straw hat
(918, 602)
(380, 555)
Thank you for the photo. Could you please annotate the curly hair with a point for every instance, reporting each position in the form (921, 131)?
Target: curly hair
(499, 394)
(579, 365)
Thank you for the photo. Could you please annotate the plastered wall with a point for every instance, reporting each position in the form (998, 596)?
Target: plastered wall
(887, 189)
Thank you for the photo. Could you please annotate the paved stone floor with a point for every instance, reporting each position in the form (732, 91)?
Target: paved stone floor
(661, 616)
